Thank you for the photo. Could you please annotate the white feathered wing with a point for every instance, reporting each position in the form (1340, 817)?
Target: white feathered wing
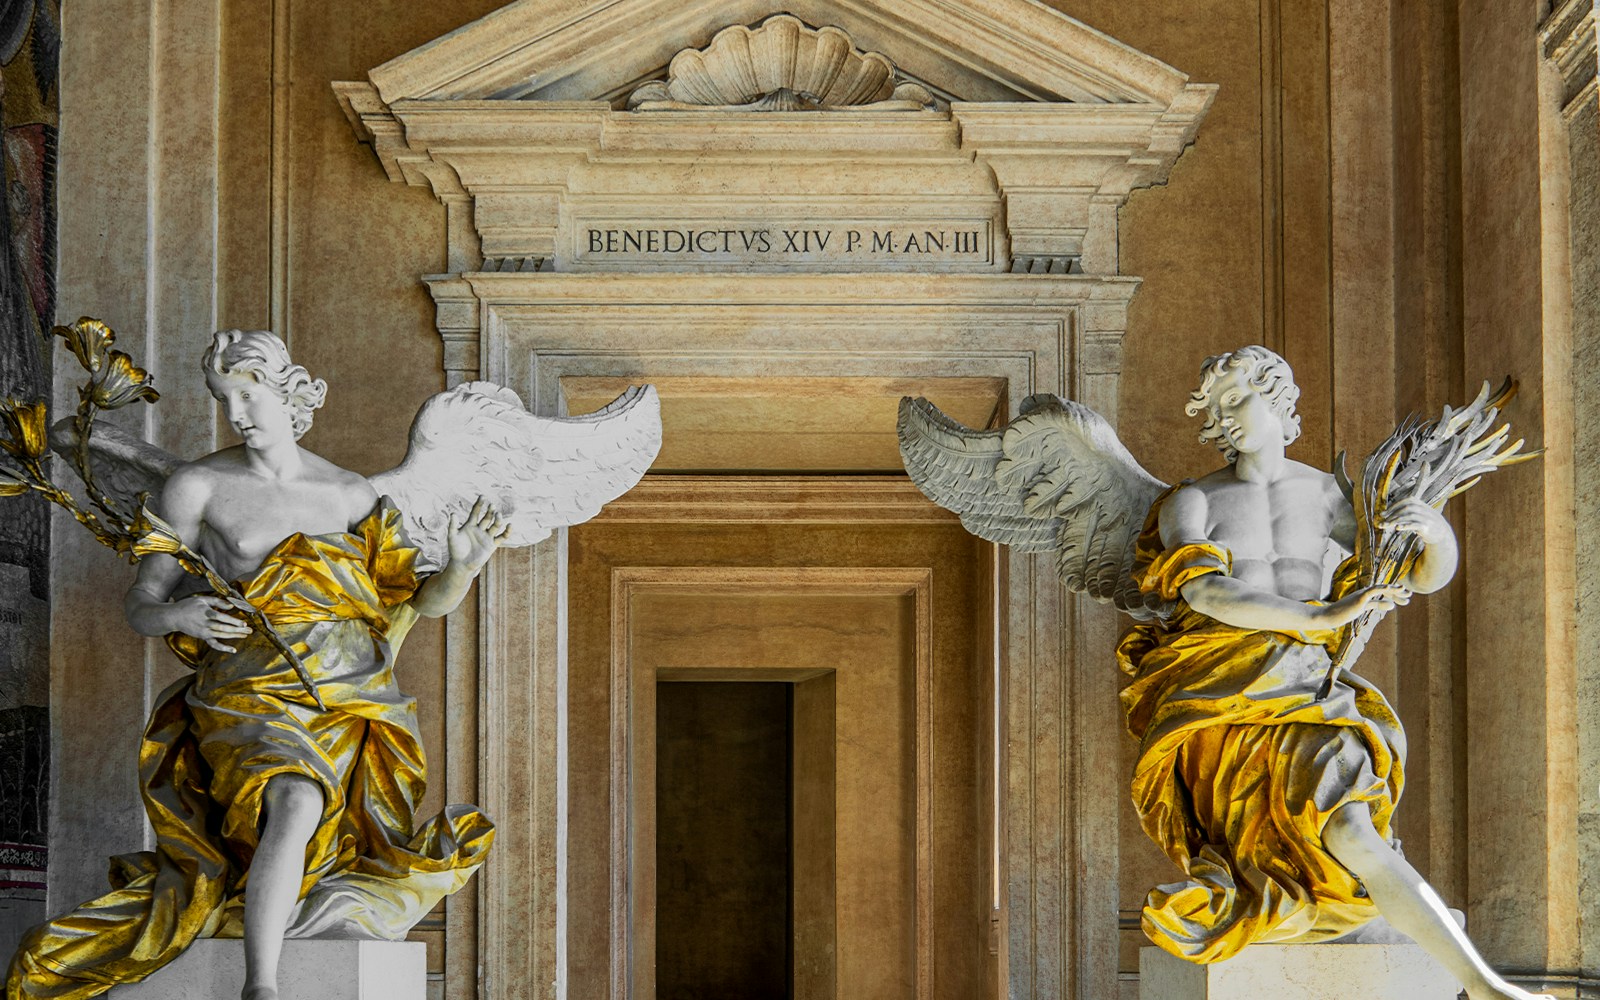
(538, 473)
(1056, 479)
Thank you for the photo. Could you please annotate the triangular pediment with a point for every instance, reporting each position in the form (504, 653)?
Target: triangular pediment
(587, 50)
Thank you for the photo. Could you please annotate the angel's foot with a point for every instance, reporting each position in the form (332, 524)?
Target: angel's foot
(259, 993)
(1495, 988)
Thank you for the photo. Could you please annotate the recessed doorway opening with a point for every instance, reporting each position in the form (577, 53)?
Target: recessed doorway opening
(887, 887)
(745, 838)
(724, 911)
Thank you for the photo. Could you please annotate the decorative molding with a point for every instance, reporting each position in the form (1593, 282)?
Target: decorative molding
(1065, 264)
(1568, 38)
(524, 265)
(1048, 127)
(1563, 985)
(374, 124)
(633, 732)
(579, 50)
(457, 318)
(785, 499)
(1270, 26)
(782, 64)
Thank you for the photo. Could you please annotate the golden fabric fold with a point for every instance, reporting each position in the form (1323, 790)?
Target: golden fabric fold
(216, 737)
(1240, 766)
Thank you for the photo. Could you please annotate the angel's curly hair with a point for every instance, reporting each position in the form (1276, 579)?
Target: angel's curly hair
(262, 356)
(1266, 372)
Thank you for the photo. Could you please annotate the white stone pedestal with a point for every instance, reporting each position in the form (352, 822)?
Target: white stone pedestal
(1300, 972)
(310, 970)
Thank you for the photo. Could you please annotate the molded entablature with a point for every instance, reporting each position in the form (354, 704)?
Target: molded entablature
(1006, 129)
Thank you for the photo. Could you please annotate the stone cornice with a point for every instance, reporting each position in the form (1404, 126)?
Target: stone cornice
(1051, 164)
(1568, 38)
(978, 50)
(1050, 126)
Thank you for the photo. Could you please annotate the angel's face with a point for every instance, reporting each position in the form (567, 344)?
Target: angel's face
(1247, 420)
(260, 416)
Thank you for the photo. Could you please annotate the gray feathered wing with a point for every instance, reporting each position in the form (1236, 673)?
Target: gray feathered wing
(124, 466)
(1056, 479)
(538, 473)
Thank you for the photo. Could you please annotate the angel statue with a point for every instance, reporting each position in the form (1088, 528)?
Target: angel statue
(1267, 770)
(283, 774)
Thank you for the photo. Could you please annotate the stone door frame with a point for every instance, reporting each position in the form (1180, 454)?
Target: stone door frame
(1060, 747)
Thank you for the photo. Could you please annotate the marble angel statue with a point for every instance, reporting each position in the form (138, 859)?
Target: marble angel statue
(282, 775)
(1267, 770)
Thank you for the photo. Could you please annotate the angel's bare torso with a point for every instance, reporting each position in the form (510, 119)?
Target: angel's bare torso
(243, 515)
(1277, 531)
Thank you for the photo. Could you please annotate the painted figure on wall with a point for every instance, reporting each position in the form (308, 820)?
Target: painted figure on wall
(1267, 770)
(30, 49)
(282, 776)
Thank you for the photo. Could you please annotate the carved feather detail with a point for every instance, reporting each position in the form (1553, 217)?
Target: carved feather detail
(538, 473)
(1055, 479)
(124, 465)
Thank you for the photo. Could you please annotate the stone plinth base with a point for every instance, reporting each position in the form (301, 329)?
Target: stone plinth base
(1300, 972)
(310, 970)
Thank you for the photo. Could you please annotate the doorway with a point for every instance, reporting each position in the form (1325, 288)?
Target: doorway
(833, 681)
(725, 818)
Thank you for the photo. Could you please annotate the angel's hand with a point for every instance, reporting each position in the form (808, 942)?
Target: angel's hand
(1348, 609)
(209, 619)
(473, 539)
(1416, 517)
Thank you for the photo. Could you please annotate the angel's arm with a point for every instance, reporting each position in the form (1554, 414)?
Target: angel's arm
(1183, 521)
(1436, 564)
(472, 542)
(146, 605)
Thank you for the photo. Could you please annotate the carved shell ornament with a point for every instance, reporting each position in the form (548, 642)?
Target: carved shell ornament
(781, 64)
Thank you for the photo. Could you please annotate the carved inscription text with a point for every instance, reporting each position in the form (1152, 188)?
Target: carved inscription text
(808, 245)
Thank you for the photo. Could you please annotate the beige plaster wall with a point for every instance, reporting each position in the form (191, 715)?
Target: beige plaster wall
(1521, 767)
(312, 240)
(1584, 127)
(292, 224)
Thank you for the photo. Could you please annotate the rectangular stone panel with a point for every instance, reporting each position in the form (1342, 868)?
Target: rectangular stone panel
(1300, 972)
(309, 970)
(907, 243)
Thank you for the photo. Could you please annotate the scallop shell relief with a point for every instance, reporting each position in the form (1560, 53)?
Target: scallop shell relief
(780, 65)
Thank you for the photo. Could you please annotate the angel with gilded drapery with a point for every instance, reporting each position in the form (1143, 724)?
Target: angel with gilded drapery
(1267, 770)
(282, 776)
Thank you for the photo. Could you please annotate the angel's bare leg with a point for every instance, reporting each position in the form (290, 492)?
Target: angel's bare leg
(292, 808)
(1410, 904)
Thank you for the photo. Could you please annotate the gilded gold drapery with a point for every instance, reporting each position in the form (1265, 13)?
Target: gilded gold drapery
(217, 736)
(1240, 766)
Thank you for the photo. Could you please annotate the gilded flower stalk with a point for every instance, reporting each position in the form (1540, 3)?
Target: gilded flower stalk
(154, 536)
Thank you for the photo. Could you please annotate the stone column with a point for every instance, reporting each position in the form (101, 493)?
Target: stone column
(1522, 772)
(1568, 37)
(138, 248)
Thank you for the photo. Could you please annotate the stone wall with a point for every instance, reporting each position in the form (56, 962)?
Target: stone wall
(1321, 212)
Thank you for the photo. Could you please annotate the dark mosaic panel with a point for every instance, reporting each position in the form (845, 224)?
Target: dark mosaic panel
(24, 774)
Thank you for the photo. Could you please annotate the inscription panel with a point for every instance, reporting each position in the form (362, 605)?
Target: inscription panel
(634, 244)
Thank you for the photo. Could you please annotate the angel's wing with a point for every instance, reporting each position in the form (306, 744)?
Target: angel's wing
(538, 473)
(1054, 479)
(124, 466)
